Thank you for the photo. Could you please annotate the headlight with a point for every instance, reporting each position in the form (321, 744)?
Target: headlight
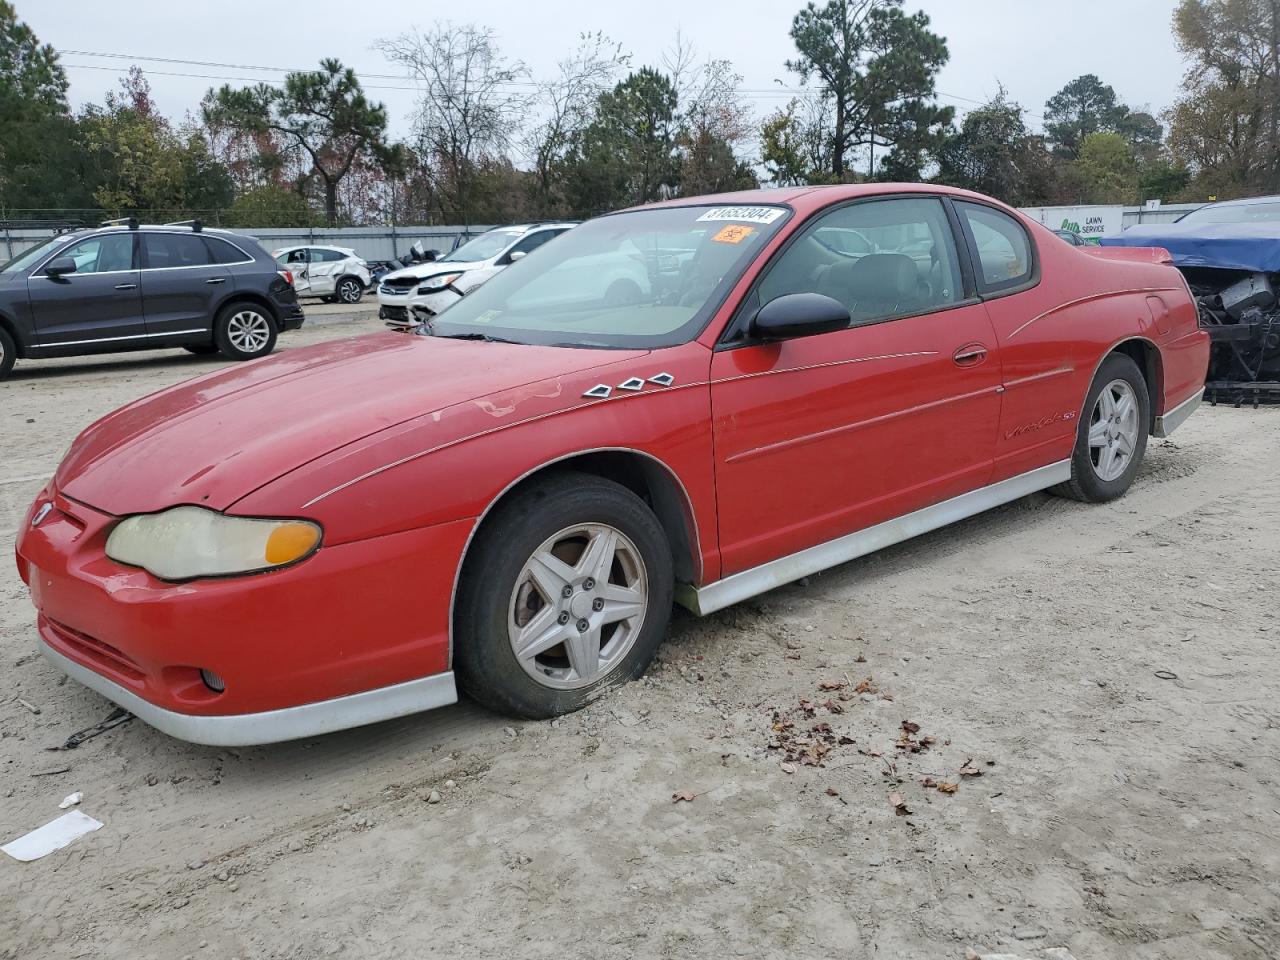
(436, 284)
(187, 542)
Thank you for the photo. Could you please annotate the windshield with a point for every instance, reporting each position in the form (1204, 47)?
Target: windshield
(1235, 213)
(648, 278)
(29, 257)
(485, 246)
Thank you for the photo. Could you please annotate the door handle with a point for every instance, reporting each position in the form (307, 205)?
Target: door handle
(217, 280)
(126, 286)
(970, 355)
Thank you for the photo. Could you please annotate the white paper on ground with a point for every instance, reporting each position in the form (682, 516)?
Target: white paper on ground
(54, 835)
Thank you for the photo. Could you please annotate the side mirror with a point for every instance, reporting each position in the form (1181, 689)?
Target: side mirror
(515, 255)
(60, 267)
(799, 315)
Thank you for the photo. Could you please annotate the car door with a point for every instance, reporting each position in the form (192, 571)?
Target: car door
(322, 270)
(821, 436)
(180, 283)
(99, 303)
(1041, 362)
(298, 263)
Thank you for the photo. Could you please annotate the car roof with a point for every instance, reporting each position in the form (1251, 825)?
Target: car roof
(530, 227)
(808, 198)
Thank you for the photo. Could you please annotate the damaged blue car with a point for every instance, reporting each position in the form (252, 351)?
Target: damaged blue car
(1230, 254)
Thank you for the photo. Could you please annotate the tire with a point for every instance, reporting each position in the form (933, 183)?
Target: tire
(8, 353)
(244, 331)
(623, 293)
(606, 640)
(349, 290)
(1104, 468)
(201, 349)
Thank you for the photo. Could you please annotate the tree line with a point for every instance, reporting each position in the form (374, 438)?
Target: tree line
(489, 143)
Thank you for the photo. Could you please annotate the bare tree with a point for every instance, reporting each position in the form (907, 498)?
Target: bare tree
(472, 102)
(715, 122)
(567, 104)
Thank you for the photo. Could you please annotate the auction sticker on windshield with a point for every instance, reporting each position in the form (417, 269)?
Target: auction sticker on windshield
(749, 214)
(733, 233)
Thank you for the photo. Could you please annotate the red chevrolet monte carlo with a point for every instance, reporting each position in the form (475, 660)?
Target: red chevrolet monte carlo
(512, 498)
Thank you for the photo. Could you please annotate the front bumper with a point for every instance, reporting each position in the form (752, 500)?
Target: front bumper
(338, 640)
(409, 311)
(270, 726)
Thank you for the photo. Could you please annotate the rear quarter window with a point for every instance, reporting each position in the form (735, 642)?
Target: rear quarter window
(1004, 258)
(223, 252)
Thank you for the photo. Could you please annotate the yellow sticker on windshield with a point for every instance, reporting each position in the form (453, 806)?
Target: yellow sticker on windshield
(733, 233)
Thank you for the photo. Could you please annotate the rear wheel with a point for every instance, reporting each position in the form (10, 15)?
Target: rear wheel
(8, 353)
(1111, 437)
(349, 290)
(243, 331)
(567, 592)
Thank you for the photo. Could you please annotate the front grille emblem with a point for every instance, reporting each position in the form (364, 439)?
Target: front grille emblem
(43, 512)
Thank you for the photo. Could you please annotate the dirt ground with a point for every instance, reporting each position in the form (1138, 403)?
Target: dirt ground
(1110, 672)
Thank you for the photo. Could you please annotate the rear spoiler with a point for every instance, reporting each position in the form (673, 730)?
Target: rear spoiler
(1132, 254)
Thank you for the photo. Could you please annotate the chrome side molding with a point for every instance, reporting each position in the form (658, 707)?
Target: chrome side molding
(777, 573)
(1176, 417)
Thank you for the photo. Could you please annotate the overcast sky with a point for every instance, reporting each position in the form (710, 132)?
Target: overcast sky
(1033, 48)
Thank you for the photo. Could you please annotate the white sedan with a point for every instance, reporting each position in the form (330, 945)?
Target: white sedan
(335, 274)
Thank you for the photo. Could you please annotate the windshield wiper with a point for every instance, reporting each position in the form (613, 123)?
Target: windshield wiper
(473, 336)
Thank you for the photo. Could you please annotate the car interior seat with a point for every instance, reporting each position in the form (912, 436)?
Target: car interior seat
(878, 285)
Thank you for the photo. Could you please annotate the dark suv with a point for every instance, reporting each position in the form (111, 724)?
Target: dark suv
(128, 287)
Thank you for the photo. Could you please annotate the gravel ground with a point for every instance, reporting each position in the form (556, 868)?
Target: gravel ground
(1098, 685)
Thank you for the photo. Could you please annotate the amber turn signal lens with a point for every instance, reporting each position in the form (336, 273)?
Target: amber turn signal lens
(291, 541)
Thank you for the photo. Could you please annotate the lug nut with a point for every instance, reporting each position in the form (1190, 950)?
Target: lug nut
(564, 617)
(588, 584)
(566, 591)
(583, 626)
(597, 604)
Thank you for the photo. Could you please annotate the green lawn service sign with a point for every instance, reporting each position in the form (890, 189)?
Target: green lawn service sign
(1090, 223)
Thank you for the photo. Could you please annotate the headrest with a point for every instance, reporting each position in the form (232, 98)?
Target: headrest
(879, 277)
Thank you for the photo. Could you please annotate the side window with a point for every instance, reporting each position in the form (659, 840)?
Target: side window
(532, 242)
(103, 254)
(325, 256)
(881, 259)
(174, 250)
(1001, 246)
(223, 252)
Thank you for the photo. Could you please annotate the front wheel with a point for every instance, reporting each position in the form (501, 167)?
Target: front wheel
(243, 331)
(1111, 437)
(567, 591)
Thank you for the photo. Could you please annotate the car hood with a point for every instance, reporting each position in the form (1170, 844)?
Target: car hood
(1226, 246)
(420, 271)
(215, 439)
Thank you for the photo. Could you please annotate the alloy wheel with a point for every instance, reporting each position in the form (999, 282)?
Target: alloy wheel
(1113, 430)
(349, 291)
(578, 605)
(248, 331)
